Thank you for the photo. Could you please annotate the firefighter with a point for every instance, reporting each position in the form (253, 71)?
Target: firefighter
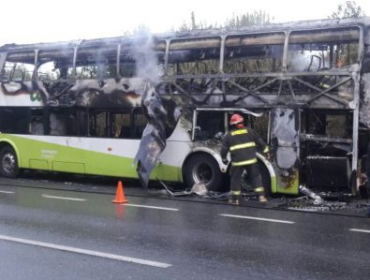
(241, 142)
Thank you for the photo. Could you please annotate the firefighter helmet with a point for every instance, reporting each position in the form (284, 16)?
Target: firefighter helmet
(235, 119)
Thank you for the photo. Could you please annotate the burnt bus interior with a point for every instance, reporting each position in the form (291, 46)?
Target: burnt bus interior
(238, 70)
(211, 123)
(326, 149)
(316, 85)
(77, 122)
(305, 73)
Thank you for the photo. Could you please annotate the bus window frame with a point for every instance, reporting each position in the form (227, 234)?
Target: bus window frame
(359, 42)
(188, 40)
(243, 36)
(20, 52)
(94, 50)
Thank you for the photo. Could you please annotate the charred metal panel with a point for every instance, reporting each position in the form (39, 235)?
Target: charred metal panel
(365, 104)
(365, 87)
(285, 145)
(158, 112)
(285, 137)
(27, 87)
(153, 140)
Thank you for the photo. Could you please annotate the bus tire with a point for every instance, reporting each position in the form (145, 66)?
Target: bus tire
(202, 168)
(8, 163)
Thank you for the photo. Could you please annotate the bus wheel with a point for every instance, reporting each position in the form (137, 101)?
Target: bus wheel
(203, 169)
(8, 163)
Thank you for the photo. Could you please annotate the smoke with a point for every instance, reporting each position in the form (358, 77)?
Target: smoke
(146, 59)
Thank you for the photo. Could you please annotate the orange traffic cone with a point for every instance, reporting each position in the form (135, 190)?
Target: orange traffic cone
(120, 195)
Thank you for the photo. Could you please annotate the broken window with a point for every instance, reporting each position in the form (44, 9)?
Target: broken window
(140, 122)
(96, 62)
(127, 66)
(15, 120)
(194, 57)
(311, 51)
(55, 64)
(37, 121)
(208, 124)
(82, 122)
(326, 144)
(19, 67)
(326, 134)
(333, 124)
(259, 124)
(120, 125)
(62, 122)
(103, 123)
(254, 53)
(98, 124)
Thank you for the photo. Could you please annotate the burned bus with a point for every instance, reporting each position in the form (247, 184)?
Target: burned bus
(155, 107)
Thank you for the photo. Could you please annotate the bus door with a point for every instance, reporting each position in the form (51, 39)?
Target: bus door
(285, 148)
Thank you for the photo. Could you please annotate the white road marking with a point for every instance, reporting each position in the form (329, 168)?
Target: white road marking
(359, 230)
(63, 197)
(84, 252)
(150, 207)
(258, 219)
(7, 192)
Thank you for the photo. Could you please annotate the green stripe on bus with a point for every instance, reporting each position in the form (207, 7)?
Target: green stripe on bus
(34, 154)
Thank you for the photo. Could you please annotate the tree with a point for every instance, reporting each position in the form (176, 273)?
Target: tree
(247, 19)
(238, 65)
(235, 22)
(350, 9)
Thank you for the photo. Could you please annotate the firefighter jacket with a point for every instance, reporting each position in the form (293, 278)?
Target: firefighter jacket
(241, 143)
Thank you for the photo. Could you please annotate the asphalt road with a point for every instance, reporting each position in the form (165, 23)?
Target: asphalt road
(55, 234)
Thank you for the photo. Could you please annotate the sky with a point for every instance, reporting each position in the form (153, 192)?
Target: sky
(35, 21)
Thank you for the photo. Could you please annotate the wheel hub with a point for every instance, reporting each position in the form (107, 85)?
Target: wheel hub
(8, 162)
(202, 173)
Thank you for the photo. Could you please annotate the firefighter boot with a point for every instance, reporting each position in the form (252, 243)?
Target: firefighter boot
(262, 199)
(234, 199)
(261, 194)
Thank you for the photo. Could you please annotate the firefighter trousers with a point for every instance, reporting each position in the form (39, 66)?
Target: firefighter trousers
(253, 174)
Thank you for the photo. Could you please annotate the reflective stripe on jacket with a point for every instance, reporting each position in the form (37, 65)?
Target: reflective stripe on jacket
(241, 143)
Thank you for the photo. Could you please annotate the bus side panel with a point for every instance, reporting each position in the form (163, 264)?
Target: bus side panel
(115, 157)
(111, 157)
(48, 153)
(107, 157)
(171, 161)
